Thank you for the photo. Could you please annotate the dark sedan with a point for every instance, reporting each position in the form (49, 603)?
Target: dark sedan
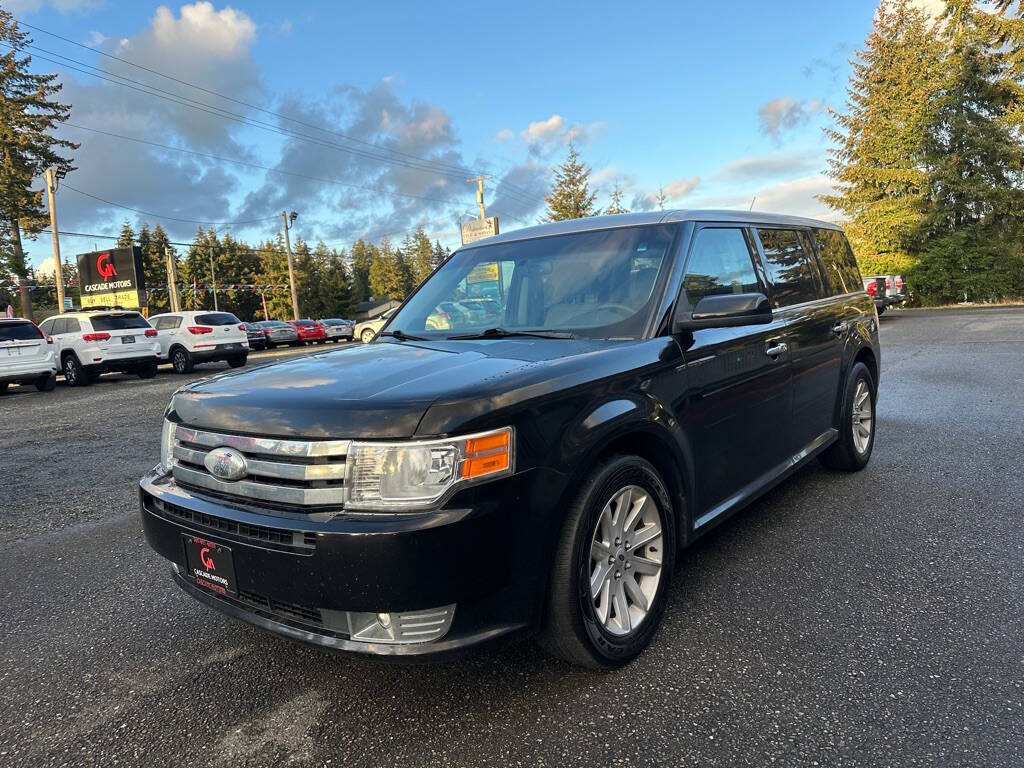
(257, 339)
(278, 332)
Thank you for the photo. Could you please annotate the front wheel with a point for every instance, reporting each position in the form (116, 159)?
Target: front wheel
(851, 452)
(74, 374)
(611, 572)
(367, 336)
(182, 360)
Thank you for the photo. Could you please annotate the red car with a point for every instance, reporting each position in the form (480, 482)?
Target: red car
(309, 331)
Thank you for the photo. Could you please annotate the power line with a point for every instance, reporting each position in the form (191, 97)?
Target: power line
(268, 169)
(65, 185)
(437, 165)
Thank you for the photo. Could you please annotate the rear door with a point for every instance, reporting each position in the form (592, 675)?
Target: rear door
(227, 329)
(21, 344)
(737, 397)
(166, 329)
(127, 332)
(813, 330)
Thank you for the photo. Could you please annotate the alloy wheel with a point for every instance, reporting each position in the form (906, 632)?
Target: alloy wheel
(625, 560)
(70, 371)
(863, 416)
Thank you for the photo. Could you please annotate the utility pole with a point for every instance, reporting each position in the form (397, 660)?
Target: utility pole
(213, 279)
(172, 280)
(479, 181)
(288, 219)
(58, 273)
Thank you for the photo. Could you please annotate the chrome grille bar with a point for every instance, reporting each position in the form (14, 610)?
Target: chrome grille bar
(280, 494)
(264, 445)
(281, 471)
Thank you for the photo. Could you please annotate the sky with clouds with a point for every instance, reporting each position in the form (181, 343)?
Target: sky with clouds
(367, 118)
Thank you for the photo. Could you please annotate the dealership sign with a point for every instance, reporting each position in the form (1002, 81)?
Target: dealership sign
(112, 278)
(478, 229)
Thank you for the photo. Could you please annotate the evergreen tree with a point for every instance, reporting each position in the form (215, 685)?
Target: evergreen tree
(877, 162)
(420, 256)
(272, 279)
(439, 254)
(389, 274)
(127, 237)
(660, 199)
(362, 259)
(616, 205)
(28, 117)
(971, 234)
(155, 264)
(570, 196)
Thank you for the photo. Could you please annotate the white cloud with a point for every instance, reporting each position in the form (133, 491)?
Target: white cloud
(758, 167)
(544, 130)
(797, 197)
(782, 114)
(96, 39)
(227, 32)
(504, 135)
(680, 188)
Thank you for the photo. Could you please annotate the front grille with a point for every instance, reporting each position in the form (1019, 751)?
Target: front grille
(283, 474)
(260, 533)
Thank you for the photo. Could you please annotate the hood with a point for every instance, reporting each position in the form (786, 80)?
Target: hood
(379, 390)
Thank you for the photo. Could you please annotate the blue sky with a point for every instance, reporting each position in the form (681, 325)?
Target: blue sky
(715, 103)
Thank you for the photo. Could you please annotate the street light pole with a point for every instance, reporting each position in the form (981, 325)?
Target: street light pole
(287, 219)
(213, 279)
(58, 273)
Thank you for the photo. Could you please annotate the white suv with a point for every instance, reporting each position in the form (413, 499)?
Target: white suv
(187, 338)
(91, 343)
(26, 355)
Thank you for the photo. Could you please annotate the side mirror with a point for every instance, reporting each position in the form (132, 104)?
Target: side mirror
(725, 311)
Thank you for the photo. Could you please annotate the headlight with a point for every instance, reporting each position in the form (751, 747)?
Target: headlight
(167, 446)
(411, 475)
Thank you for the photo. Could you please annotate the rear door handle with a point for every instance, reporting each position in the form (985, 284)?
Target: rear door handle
(774, 350)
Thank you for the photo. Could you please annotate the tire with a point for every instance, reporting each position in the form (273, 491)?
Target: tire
(880, 310)
(237, 362)
(74, 374)
(182, 360)
(44, 383)
(575, 629)
(851, 453)
(271, 345)
(147, 371)
(3, 386)
(366, 336)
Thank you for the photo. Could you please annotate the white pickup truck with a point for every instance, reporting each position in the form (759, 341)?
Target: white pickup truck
(886, 290)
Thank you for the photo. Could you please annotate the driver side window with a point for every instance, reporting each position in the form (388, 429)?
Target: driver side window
(720, 263)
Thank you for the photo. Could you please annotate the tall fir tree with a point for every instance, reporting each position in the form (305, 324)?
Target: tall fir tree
(570, 196)
(877, 161)
(362, 258)
(616, 205)
(126, 238)
(970, 238)
(29, 114)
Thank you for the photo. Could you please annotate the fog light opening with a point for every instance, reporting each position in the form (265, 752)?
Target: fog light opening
(384, 619)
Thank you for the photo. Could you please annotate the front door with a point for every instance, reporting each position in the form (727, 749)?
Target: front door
(737, 397)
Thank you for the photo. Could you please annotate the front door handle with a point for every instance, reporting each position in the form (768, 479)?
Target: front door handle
(839, 328)
(774, 350)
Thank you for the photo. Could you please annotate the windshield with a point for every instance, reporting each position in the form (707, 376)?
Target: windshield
(597, 284)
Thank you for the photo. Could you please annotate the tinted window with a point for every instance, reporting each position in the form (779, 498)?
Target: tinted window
(70, 325)
(838, 262)
(719, 263)
(217, 318)
(47, 326)
(303, 323)
(118, 322)
(789, 267)
(19, 332)
(272, 324)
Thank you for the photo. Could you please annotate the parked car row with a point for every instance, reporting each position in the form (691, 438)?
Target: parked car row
(886, 290)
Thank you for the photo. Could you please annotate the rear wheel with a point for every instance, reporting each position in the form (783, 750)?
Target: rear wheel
(851, 452)
(74, 374)
(367, 336)
(45, 383)
(612, 568)
(182, 360)
(148, 371)
(237, 362)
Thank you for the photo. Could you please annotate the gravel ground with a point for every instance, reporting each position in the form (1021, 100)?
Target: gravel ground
(869, 619)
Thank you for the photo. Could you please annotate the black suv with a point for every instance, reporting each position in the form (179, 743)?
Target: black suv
(620, 385)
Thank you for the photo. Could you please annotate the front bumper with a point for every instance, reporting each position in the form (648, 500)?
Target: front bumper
(484, 555)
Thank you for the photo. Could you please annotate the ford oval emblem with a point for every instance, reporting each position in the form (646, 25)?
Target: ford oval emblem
(226, 464)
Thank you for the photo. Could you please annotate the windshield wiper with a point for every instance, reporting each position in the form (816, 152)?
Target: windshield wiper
(504, 333)
(401, 335)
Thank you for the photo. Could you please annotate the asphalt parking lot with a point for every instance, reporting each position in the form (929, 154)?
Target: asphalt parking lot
(868, 619)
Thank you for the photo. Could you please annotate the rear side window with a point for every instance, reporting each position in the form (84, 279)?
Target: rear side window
(837, 260)
(19, 332)
(70, 325)
(163, 323)
(789, 267)
(47, 325)
(118, 322)
(217, 318)
(719, 263)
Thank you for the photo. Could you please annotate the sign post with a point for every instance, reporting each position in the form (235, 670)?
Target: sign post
(478, 229)
(112, 278)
